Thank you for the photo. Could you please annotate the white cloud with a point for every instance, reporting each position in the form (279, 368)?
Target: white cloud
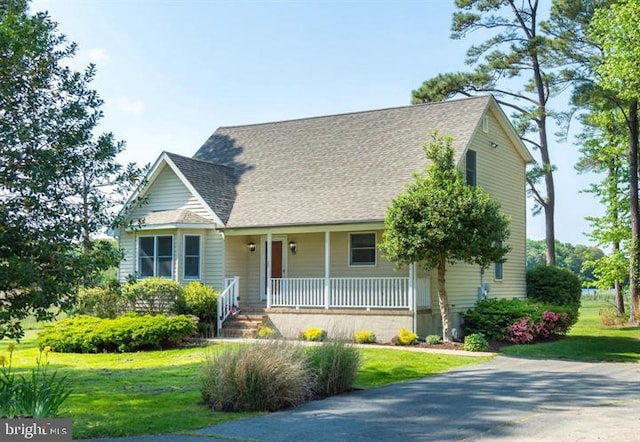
(97, 55)
(129, 106)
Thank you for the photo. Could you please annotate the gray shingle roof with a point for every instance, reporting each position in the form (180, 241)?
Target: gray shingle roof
(215, 183)
(333, 169)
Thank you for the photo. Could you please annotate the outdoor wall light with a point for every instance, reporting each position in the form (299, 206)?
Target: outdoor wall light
(252, 246)
(293, 247)
(494, 144)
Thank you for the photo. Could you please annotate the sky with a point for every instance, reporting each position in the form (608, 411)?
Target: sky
(171, 72)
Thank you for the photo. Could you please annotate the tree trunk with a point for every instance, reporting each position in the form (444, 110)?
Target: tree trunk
(635, 213)
(443, 299)
(617, 285)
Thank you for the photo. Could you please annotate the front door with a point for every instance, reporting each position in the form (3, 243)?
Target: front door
(278, 264)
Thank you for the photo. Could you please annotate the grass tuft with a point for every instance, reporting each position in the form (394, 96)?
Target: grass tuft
(334, 365)
(258, 377)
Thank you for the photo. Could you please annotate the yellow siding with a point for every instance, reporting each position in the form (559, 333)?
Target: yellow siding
(501, 172)
(214, 263)
(340, 260)
(169, 193)
(127, 244)
(211, 254)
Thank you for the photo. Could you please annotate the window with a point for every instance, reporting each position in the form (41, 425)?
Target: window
(155, 256)
(362, 249)
(192, 257)
(485, 124)
(470, 162)
(498, 268)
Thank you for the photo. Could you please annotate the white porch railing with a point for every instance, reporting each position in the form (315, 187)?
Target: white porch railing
(228, 300)
(369, 293)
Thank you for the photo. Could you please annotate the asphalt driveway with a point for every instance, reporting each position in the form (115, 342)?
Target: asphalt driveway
(506, 399)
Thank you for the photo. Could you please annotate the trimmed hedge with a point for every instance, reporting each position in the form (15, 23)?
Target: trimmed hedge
(131, 332)
(494, 317)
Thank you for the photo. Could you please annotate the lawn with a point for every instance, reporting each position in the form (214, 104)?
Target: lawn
(158, 392)
(588, 340)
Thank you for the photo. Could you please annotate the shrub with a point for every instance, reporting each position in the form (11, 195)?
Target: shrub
(475, 342)
(266, 332)
(257, 377)
(554, 285)
(104, 301)
(609, 316)
(199, 300)
(313, 334)
(433, 339)
(405, 337)
(334, 366)
(494, 317)
(521, 332)
(38, 395)
(364, 337)
(131, 332)
(152, 295)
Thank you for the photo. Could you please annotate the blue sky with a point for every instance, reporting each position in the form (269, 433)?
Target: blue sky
(171, 72)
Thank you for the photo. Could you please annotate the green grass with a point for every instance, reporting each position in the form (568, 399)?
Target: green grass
(158, 392)
(383, 367)
(588, 340)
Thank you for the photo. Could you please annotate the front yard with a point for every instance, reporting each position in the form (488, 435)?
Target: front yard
(158, 392)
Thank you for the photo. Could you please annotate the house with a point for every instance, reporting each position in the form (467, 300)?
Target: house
(285, 217)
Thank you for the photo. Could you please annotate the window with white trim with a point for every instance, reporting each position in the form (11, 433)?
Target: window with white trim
(362, 249)
(155, 256)
(192, 257)
(471, 170)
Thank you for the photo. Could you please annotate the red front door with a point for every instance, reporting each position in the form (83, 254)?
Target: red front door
(276, 259)
(276, 264)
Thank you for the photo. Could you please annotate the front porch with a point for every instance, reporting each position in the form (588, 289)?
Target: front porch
(335, 277)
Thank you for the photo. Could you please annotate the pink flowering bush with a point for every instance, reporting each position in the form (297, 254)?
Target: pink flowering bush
(525, 330)
(522, 332)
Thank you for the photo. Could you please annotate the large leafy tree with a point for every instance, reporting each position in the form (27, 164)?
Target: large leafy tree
(440, 220)
(608, 120)
(617, 29)
(48, 114)
(512, 64)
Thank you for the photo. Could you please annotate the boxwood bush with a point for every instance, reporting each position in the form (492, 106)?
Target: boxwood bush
(130, 332)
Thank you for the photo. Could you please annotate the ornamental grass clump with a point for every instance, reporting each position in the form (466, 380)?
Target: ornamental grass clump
(256, 377)
(38, 395)
(334, 366)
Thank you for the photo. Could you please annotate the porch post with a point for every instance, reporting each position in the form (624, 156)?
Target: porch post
(413, 295)
(327, 265)
(269, 239)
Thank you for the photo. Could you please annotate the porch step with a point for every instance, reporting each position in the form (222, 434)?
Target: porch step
(242, 326)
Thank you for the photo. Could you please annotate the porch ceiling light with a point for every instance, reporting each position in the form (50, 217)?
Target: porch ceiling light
(293, 247)
(252, 246)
